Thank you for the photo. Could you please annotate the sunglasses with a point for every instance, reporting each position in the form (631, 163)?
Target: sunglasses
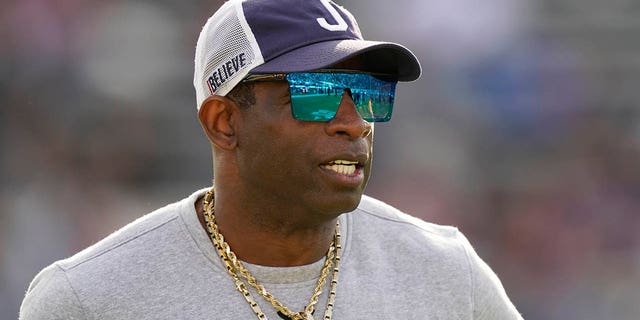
(316, 96)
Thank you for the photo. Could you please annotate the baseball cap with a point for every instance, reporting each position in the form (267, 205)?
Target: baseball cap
(284, 36)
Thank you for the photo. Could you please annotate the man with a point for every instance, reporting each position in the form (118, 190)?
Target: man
(285, 233)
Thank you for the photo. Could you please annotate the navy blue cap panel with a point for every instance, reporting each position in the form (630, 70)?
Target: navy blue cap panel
(281, 26)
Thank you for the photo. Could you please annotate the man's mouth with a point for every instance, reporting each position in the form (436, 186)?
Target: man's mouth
(344, 167)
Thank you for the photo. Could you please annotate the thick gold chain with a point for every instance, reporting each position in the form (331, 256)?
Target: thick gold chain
(236, 269)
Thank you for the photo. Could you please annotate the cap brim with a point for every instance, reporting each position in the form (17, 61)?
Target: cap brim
(381, 57)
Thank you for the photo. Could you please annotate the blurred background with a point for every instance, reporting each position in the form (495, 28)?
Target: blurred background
(524, 132)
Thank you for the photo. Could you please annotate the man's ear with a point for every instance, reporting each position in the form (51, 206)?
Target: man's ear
(218, 117)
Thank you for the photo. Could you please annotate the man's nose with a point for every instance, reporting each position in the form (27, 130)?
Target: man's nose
(348, 121)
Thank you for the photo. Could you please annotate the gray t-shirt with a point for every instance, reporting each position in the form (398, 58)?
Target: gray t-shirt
(163, 266)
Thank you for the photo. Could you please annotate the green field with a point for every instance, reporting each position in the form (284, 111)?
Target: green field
(315, 106)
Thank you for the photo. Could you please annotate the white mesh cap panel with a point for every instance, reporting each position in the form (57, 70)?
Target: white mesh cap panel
(225, 53)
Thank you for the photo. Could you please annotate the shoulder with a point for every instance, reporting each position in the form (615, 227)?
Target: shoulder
(391, 244)
(106, 266)
(51, 294)
(379, 213)
(431, 251)
(375, 224)
(144, 229)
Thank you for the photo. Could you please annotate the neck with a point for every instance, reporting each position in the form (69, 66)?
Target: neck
(256, 239)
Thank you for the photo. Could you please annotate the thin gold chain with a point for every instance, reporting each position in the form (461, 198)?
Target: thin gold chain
(236, 269)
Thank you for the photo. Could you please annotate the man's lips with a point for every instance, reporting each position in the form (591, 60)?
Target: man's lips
(347, 164)
(344, 167)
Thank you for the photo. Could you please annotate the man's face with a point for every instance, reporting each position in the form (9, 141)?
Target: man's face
(319, 166)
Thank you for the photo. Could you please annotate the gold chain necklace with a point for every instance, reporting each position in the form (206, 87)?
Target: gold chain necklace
(236, 269)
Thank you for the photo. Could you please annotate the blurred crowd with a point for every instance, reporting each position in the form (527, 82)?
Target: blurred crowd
(524, 132)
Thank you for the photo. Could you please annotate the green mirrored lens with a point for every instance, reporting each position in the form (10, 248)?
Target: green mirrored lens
(316, 96)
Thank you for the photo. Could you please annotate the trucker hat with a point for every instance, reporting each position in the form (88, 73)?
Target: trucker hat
(284, 36)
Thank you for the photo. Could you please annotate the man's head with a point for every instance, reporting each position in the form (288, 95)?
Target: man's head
(286, 92)
(281, 36)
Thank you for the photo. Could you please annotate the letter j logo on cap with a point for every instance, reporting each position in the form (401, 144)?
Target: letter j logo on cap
(341, 26)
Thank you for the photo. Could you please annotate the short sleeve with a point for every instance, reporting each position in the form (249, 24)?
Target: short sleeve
(50, 296)
(490, 301)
